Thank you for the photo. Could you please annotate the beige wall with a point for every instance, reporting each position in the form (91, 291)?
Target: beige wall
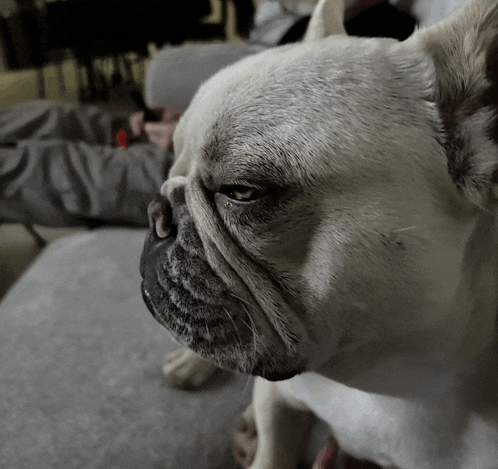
(7, 5)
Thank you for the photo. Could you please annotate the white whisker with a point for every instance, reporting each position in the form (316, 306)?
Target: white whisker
(253, 328)
(239, 298)
(406, 229)
(246, 386)
(234, 326)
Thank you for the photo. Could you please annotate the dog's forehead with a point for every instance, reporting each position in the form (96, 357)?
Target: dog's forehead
(277, 69)
(274, 108)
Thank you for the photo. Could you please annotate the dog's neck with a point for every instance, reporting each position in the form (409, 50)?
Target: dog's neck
(465, 357)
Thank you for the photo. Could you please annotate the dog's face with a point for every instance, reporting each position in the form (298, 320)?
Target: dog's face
(314, 212)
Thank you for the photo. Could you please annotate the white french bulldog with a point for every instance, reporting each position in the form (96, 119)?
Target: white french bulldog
(330, 225)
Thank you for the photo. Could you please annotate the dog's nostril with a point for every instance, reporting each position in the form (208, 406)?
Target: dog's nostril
(160, 217)
(160, 230)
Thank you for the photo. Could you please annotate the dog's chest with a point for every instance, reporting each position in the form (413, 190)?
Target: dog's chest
(396, 432)
(363, 426)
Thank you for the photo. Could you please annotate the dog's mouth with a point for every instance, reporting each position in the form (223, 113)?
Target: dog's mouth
(187, 297)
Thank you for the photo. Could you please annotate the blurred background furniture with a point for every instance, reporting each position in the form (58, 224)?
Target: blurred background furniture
(38, 32)
(94, 29)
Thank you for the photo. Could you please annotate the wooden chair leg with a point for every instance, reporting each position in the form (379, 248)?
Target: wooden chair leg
(40, 241)
(42, 93)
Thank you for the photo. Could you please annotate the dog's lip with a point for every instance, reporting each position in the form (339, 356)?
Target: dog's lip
(150, 304)
(153, 244)
(147, 297)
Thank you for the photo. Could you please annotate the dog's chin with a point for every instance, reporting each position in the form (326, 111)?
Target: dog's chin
(221, 341)
(277, 375)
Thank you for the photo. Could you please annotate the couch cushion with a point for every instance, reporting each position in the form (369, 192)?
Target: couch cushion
(80, 375)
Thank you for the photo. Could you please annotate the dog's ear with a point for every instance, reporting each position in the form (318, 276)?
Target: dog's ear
(464, 49)
(327, 19)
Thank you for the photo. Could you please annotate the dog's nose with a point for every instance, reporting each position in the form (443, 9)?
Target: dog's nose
(160, 217)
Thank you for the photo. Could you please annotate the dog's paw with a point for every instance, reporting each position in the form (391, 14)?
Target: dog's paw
(184, 369)
(246, 441)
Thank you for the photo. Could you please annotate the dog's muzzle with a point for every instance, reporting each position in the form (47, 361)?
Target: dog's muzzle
(184, 293)
(189, 298)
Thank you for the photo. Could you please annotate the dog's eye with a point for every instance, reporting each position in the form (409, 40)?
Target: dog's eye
(243, 193)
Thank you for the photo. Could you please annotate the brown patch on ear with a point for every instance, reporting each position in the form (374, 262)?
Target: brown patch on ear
(494, 177)
(492, 71)
(464, 50)
(492, 74)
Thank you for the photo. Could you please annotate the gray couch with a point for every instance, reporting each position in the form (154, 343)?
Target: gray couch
(80, 376)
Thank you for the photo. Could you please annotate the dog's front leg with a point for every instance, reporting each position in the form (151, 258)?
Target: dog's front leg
(281, 425)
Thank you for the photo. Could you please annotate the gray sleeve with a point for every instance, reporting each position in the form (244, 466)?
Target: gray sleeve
(48, 120)
(62, 183)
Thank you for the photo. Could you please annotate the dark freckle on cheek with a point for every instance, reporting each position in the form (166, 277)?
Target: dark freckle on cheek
(392, 243)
